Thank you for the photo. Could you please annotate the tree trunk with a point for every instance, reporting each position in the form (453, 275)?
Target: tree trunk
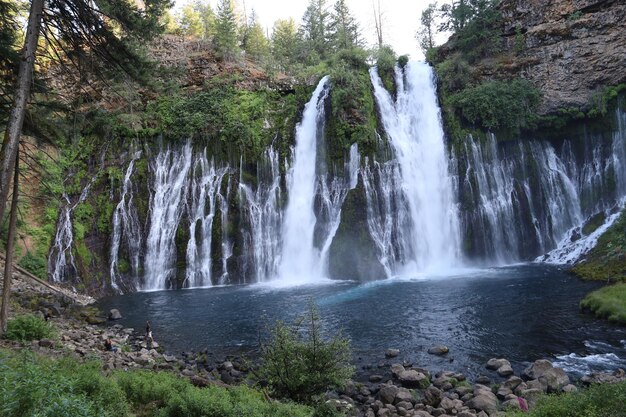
(8, 153)
(8, 259)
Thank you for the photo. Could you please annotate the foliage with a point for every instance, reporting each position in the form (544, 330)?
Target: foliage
(600, 102)
(226, 40)
(426, 33)
(386, 64)
(599, 400)
(607, 260)
(255, 43)
(35, 264)
(298, 363)
(37, 386)
(313, 33)
(343, 29)
(498, 104)
(28, 327)
(608, 302)
(284, 44)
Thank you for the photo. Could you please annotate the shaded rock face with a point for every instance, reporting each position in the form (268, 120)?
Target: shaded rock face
(570, 49)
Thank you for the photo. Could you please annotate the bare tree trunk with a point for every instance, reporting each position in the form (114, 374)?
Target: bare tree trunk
(8, 153)
(8, 259)
(378, 21)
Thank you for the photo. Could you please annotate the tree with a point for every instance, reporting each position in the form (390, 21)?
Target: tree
(314, 31)
(255, 43)
(426, 34)
(343, 28)
(10, 249)
(284, 43)
(207, 18)
(190, 21)
(378, 22)
(226, 43)
(299, 363)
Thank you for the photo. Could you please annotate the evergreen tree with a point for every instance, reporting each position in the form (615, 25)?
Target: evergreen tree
(190, 21)
(255, 43)
(426, 34)
(343, 28)
(285, 43)
(314, 31)
(226, 42)
(207, 18)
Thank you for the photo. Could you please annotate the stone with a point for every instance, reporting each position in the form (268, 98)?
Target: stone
(404, 395)
(554, 379)
(413, 379)
(387, 393)
(199, 381)
(494, 363)
(512, 382)
(466, 413)
(532, 395)
(536, 369)
(432, 396)
(483, 379)
(422, 413)
(169, 358)
(438, 350)
(114, 314)
(227, 366)
(405, 404)
(537, 384)
(570, 388)
(375, 378)
(511, 405)
(484, 402)
(450, 405)
(396, 369)
(392, 353)
(503, 392)
(505, 370)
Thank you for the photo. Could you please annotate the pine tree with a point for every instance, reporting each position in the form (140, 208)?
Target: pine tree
(255, 43)
(207, 18)
(190, 21)
(343, 28)
(314, 32)
(426, 34)
(285, 43)
(226, 42)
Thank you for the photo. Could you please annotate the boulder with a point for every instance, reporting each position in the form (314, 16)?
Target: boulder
(375, 378)
(554, 379)
(484, 402)
(451, 406)
(505, 370)
(46, 343)
(392, 353)
(570, 388)
(531, 395)
(114, 314)
(535, 370)
(438, 350)
(387, 393)
(512, 382)
(404, 396)
(413, 379)
(494, 363)
(432, 396)
(483, 379)
(396, 370)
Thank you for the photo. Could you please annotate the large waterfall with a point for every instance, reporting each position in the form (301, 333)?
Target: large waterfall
(418, 204)
(299, 259)
(429, 237)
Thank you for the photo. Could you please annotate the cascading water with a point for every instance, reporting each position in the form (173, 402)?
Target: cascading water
(170, 170)
(126, 224)
(61, 262)
(264, 217)
(413, 125)
(299, 258)
(205, 199)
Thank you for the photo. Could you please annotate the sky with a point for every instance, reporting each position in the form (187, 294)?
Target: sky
(400, 18)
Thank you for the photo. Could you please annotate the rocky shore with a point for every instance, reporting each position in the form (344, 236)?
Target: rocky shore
(389, 390)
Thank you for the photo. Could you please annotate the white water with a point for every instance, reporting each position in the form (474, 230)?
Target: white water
(413, 125)
(170, 169)
(299, 259)
(126, 223)
(205, 199)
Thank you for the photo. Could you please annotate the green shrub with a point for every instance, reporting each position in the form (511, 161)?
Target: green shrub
(509, 105)
(298, 363)
(35, 264)
(602, 400)
(608, 302)
(28, 327)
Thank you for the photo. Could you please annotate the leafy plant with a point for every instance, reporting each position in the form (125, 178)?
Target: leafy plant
(28, 327)
(299, 363)
(35, 264)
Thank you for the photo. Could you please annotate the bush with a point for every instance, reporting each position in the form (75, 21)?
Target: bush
(608, 302)
(299, 364)
(601, 400)
(507, 105)
(35, 264)
(28, 327)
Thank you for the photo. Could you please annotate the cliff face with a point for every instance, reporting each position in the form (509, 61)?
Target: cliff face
(570, 49)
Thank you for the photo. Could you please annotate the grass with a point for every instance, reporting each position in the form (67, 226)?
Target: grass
(31, 385)
(606, 400)
(608, 302)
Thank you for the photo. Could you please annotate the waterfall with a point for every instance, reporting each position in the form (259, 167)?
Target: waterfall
(126, 223)
(205, 199)
(299, 258)
(413, 125)
(170, 169)
(261, 207)
(61, 262)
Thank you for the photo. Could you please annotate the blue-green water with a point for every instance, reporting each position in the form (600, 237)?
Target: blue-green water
(521, 313)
